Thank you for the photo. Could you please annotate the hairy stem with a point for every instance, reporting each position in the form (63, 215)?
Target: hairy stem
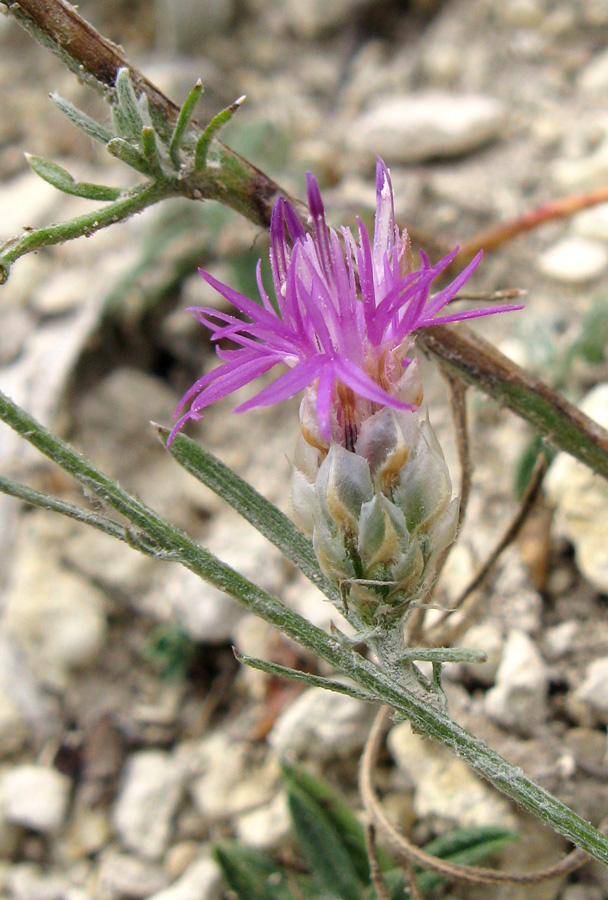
(126, 206)
(177, 545)
(58, 26)
(479, 363)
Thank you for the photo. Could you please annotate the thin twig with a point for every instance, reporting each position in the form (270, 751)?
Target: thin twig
(559, 209)
(415, 892)
(461, 430)
(439, 636)
(408, 852)
(479, 363)
(375, 869)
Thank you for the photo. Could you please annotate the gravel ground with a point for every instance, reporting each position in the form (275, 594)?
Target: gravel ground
(115, 778)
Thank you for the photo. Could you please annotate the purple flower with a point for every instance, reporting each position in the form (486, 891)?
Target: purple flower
(344, 318)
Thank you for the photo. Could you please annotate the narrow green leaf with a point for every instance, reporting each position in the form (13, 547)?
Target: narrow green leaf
(250, 874)
(83, 122)
(128, 120)
(148, 143)
(465, 846)
(202, 145)
(345, 822)
(262, 514)
(321, 844)
(63, 181)
(444, 654)
(183, 121)
(461, 840)
(305, 677)
(126, 152)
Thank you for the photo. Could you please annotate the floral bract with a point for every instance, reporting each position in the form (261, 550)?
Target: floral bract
(345, 314)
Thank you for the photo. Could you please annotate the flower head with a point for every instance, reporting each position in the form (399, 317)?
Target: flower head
(346, 311)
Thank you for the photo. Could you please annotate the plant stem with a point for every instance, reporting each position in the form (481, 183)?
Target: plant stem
(179, 546)
(126, 206)
(479, 363)
(57, 25)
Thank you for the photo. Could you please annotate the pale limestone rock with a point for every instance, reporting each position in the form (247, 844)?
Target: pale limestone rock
(488, 638)
(581, 500)
(417, 127)
(593, 692)
(266, 828)
(574, 260)
(326, 724)
(519, 699)
(201, 881)
(227, 784)
(55, 617)
(120, 876)
(592, 223)
(447, 793)
(35, 797)
(148, 800)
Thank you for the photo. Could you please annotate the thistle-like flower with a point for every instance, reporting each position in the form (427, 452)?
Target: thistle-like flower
(370, 483)
(344, 320)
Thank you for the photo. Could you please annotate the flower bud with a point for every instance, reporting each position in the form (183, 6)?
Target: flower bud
(380, 516)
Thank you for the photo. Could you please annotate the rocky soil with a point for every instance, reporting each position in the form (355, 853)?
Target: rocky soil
(117, 774)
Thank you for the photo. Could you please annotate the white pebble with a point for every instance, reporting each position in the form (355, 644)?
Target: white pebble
(410, 129)
(35, 797)
(147, 802)
(594, 689)
(323, 724)
(519, 699)
(574, 260)
(581, 499)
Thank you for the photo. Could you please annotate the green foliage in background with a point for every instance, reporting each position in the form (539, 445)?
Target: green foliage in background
(332, 857)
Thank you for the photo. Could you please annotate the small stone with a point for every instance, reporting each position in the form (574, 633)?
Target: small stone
(17, 697)
(581, 500)
(447, 793)
(322, 724)
(35, 797)
(55, 617)
(26, 882)
(147, 803)
(582, 892)
(594, 689)
(266, 828)
(558, 641)
(88, 833)
(179, 857)
(428, 125)
(201, 881)
(519, 699)
(522, 13)
(592, 223)
(62, 292)
(489, 639)
(582, 174)
(593, 79)
(228, 785)
(311, 18)
(574, 260)
(122, 877)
